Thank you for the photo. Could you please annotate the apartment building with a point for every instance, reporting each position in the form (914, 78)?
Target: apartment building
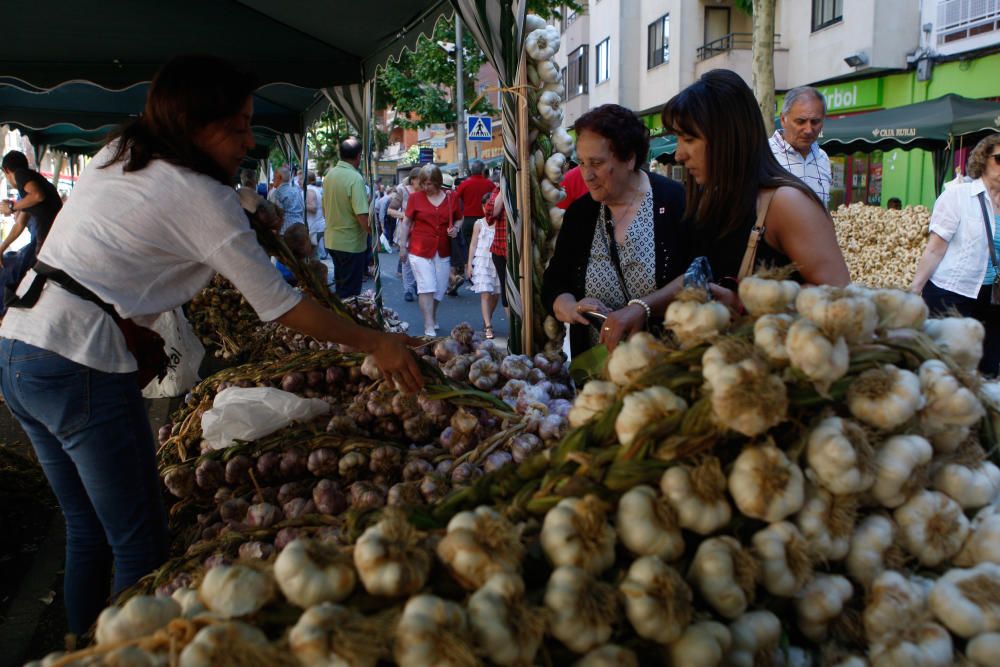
(863, 54)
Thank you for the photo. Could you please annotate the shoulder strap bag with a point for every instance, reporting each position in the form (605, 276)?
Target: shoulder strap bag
(756, 234)
(609, 229)
(995, 292)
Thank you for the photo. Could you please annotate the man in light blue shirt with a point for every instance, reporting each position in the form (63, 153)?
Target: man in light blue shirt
(289, 197)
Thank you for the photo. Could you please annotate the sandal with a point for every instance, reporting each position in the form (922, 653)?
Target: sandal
(488, 332)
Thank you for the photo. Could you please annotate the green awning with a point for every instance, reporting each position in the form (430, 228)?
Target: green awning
(928, 125)
(662, 146)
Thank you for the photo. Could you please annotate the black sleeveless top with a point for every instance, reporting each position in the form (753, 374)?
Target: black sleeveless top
(725, 253)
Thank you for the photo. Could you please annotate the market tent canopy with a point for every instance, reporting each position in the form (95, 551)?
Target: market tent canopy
(117, 43)
(928, 125)
(664, 146)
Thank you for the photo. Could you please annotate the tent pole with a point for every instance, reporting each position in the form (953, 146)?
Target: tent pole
(305, 167)
(524, 206)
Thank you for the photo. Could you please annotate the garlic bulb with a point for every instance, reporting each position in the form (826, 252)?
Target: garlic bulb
(786, 561)
(898, 309)
(984, 649)
(885, 397)
(923, 644)
(822, 600)
(765, 485)
(236, 590)
(553, 194)
(645, 407)
(142, 615)
(609, 655)
(894, 602)
(648, 525)
(873, 537)
(967, 602)
(596, 397)
(900, 466)
(310, 572)
(582, 610)
(562, 141)
(763, 296)
(839, 453)
(508, 631)
(698, 495)
(838, 313)
(191, 605)
(329, 635)
(632, 357)
(983, 544)
(554, 167)
(433, 633)
(549, 72)
(478, 545)
(755, 639)
(748, 401)
(216, 644)
(390, 557)
(694, 320)
(576, 532)
(948, 402)
(823, 360)
(932, 527)
(657, 600)
(725, 574)
(543, 43)
(827, 522)
(959, 337)
(703, 644)
(770, 333)
(971, 487)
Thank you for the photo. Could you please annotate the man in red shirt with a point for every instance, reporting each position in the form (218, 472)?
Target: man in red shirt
(470, 202)
(574, 186)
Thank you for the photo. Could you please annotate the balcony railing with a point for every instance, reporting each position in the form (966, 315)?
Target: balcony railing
(958, 19)
(726, 43)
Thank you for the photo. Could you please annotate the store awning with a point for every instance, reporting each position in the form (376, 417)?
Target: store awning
(928, 125)
(664, 147)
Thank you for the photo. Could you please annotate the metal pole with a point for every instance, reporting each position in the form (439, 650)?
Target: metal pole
(463, 156)
(524, 206)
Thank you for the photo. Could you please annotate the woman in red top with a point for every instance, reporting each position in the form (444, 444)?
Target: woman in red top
(424, 240)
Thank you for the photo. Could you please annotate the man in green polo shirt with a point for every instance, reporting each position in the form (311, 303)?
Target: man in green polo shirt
(345, 202)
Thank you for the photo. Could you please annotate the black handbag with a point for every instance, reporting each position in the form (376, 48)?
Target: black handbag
(995, 291)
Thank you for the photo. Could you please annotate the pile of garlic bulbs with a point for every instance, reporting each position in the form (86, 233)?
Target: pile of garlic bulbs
(882, 247)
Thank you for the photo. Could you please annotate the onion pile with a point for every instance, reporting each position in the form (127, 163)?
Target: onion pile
(882, 247)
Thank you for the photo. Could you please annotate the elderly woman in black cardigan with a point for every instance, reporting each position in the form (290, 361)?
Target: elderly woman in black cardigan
(619, 243)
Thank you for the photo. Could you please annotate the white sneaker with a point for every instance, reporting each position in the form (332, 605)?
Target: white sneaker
(430, 332)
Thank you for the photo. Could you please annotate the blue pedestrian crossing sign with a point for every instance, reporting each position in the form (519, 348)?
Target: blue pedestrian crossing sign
(480, 128)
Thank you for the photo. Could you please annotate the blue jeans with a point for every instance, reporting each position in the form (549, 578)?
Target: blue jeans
(92, 437)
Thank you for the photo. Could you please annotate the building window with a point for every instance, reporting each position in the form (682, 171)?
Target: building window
(827, 12)
(601, 61)
(576, 73)
(960, 19)
(659, 42)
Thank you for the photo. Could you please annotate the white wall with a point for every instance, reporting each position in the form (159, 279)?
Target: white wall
(606, 22)
(576, 34)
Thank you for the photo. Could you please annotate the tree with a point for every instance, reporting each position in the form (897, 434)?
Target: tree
(763, 56)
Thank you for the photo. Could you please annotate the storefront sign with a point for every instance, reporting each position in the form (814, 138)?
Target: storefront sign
(854, 95)
(894, 132)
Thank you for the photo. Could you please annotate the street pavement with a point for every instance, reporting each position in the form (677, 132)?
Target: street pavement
(452, 311)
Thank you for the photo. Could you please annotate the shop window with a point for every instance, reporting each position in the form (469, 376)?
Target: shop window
(602, 61)
(659, 42)
(827, 12)
(576, 73)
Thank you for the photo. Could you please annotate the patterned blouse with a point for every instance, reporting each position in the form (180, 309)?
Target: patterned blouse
(638, 260)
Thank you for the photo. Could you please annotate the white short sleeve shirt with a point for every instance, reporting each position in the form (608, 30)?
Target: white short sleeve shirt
(958, 219)
(145, 242)
(813, 169)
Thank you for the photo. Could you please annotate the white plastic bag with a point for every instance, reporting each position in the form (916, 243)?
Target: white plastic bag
(254, 412)
(185, 352)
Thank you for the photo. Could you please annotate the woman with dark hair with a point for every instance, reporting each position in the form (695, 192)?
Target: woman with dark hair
(959, 266)
(153, 217)
(616, 248)
(733, 179)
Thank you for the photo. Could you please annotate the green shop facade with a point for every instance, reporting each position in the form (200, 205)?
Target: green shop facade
(876, 176)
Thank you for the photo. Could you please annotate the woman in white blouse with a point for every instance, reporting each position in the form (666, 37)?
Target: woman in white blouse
(957, 270)
(152, 218)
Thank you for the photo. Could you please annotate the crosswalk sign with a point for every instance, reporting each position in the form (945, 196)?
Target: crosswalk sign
(480, 128)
